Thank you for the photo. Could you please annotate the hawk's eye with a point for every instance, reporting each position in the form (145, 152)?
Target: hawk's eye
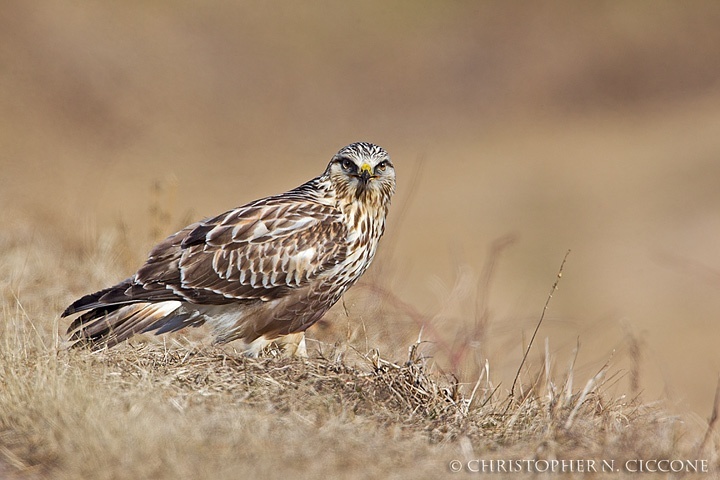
(348, 165)
(381, 167)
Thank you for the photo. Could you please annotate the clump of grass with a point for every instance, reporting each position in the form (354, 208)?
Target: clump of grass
(173, 407)
(181, 409)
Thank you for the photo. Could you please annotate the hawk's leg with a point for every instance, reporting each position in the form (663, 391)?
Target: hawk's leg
(294, 345)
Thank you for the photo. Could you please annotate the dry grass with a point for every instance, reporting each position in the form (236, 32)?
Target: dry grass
(177, 408)
(588, 126)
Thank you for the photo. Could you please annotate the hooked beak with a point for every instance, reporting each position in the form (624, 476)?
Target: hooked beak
(365, 173)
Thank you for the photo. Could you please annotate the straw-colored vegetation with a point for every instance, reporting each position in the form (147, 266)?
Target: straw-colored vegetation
(178, 408)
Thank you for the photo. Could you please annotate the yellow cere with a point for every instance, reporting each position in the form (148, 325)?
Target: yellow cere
(366, 168)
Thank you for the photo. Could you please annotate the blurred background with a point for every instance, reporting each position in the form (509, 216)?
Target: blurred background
(519, 130)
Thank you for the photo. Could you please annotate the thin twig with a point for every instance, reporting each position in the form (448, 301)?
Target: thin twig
(537, 327)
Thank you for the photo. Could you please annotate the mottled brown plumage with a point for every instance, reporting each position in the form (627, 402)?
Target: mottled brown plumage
(263, 271)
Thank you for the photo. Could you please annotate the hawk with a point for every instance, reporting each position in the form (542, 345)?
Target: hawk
(260, 273)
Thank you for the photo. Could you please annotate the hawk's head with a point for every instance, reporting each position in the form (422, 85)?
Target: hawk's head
(363, 172)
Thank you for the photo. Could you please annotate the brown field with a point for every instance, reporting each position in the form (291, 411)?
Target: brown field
(519, 131)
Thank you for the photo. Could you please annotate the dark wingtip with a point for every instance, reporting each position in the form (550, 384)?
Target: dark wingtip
(103, 298)
(74, 307)
(86, 302)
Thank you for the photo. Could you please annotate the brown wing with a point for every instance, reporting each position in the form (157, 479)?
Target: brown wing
(259, 251)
